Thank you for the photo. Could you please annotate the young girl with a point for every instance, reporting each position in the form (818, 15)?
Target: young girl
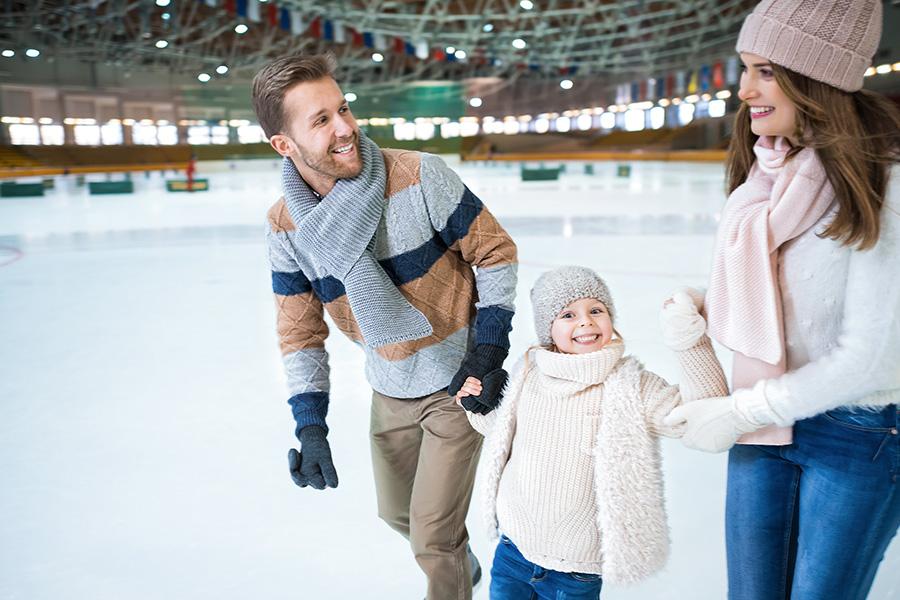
(573, 479)
(805, 290)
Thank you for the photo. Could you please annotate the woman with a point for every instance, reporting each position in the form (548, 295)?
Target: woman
(805, 289)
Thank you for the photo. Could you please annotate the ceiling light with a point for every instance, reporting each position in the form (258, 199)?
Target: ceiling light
(9, 53)
(882, 69)
(377, 57)
(32, 53)
(723, 95)
(475, 102)
(222, 69)
(166, 16)
(566, 84)
(869, 72)
(350, 97)
(161, 44)
(519, 43)
(240, 28)
(450, 50)
(203, 77)
(163, 2)
(460, 54)
(488, 27)
(526, 4)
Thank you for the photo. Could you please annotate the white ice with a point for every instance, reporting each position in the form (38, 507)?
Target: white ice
(143, 417)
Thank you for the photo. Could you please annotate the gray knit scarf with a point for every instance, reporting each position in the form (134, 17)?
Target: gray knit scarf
(338, 232)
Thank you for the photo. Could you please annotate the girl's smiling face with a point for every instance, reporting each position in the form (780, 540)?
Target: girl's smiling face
(771, 111)
(582, 326)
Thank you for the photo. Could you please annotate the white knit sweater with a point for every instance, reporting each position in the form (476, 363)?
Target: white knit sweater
(572, 471)
(841, 321)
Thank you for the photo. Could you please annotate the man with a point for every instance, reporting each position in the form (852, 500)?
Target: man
(385, 241)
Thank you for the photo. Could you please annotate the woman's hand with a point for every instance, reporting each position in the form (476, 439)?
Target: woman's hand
(715, 424)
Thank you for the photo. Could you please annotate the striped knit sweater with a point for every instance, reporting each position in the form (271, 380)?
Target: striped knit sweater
(433, 231)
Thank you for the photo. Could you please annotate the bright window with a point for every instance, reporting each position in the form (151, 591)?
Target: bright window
(144, 134)
(167, 135)
(87, 135)
(111, 134)
(424, 130)
(685, 113)
(585, 122)
(468, 128)
(52, 135)
(717, 108)
(450, 130)
(657, 117)
(198, 135)
(251, 134)
(219, 134)
(23, 134)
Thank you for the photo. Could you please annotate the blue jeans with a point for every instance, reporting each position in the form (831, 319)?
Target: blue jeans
(513, 577)
(812, 520)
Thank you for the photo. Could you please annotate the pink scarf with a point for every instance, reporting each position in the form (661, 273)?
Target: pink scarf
(779, 201)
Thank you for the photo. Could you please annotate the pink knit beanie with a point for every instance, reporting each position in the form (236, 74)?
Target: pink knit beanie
(832, 41)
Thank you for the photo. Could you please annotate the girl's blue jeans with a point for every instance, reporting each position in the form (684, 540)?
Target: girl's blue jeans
(812, 520)
(513, 577)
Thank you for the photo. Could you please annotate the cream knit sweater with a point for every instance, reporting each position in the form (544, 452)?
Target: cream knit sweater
(573, 473)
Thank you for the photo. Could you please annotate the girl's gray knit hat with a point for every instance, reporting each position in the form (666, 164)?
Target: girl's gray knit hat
(555, 289)
(832, 41)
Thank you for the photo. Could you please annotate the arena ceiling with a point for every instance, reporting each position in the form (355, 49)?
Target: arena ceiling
(601, 39)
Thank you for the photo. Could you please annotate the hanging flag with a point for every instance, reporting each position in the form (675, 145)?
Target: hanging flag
(439, 55)
(409, 49)
(670, 85)
(705, 78)
(661, 87)
(328, 31)
(230, 6)
(718, 75)
(422, 49)
(272, 12)
(635, 93)
(240, 7)
(211, 3)
(731, 71)
(692, 82)
(297, 24)
(284, 19)
(368, 40)
(340, 32)
(642, 90)
(356, 38)
(252, 10)
(399, 45)
(315, 28)
(381, 42)
(651, 89)
(680, 77)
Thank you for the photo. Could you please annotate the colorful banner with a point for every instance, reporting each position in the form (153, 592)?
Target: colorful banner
(732, 72)
(718, 75)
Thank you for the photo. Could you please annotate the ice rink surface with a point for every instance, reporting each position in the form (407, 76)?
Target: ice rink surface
(144, 426)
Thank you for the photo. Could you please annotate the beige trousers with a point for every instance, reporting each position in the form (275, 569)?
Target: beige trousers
(424, 454)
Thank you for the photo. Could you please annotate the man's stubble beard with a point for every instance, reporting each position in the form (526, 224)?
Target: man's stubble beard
(328, 166)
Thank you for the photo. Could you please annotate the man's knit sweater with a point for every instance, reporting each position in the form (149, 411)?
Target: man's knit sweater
(572, 473)
(433, 231)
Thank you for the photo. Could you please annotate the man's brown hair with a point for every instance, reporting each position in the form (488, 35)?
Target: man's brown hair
(273, 81)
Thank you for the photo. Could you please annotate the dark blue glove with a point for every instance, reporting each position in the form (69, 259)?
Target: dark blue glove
(485, 363)
(312, 466)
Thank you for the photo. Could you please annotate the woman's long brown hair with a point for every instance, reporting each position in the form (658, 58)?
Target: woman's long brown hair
(856, 136)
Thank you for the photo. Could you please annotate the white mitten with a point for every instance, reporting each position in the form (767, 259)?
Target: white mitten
(681, 321)
(715, 424)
